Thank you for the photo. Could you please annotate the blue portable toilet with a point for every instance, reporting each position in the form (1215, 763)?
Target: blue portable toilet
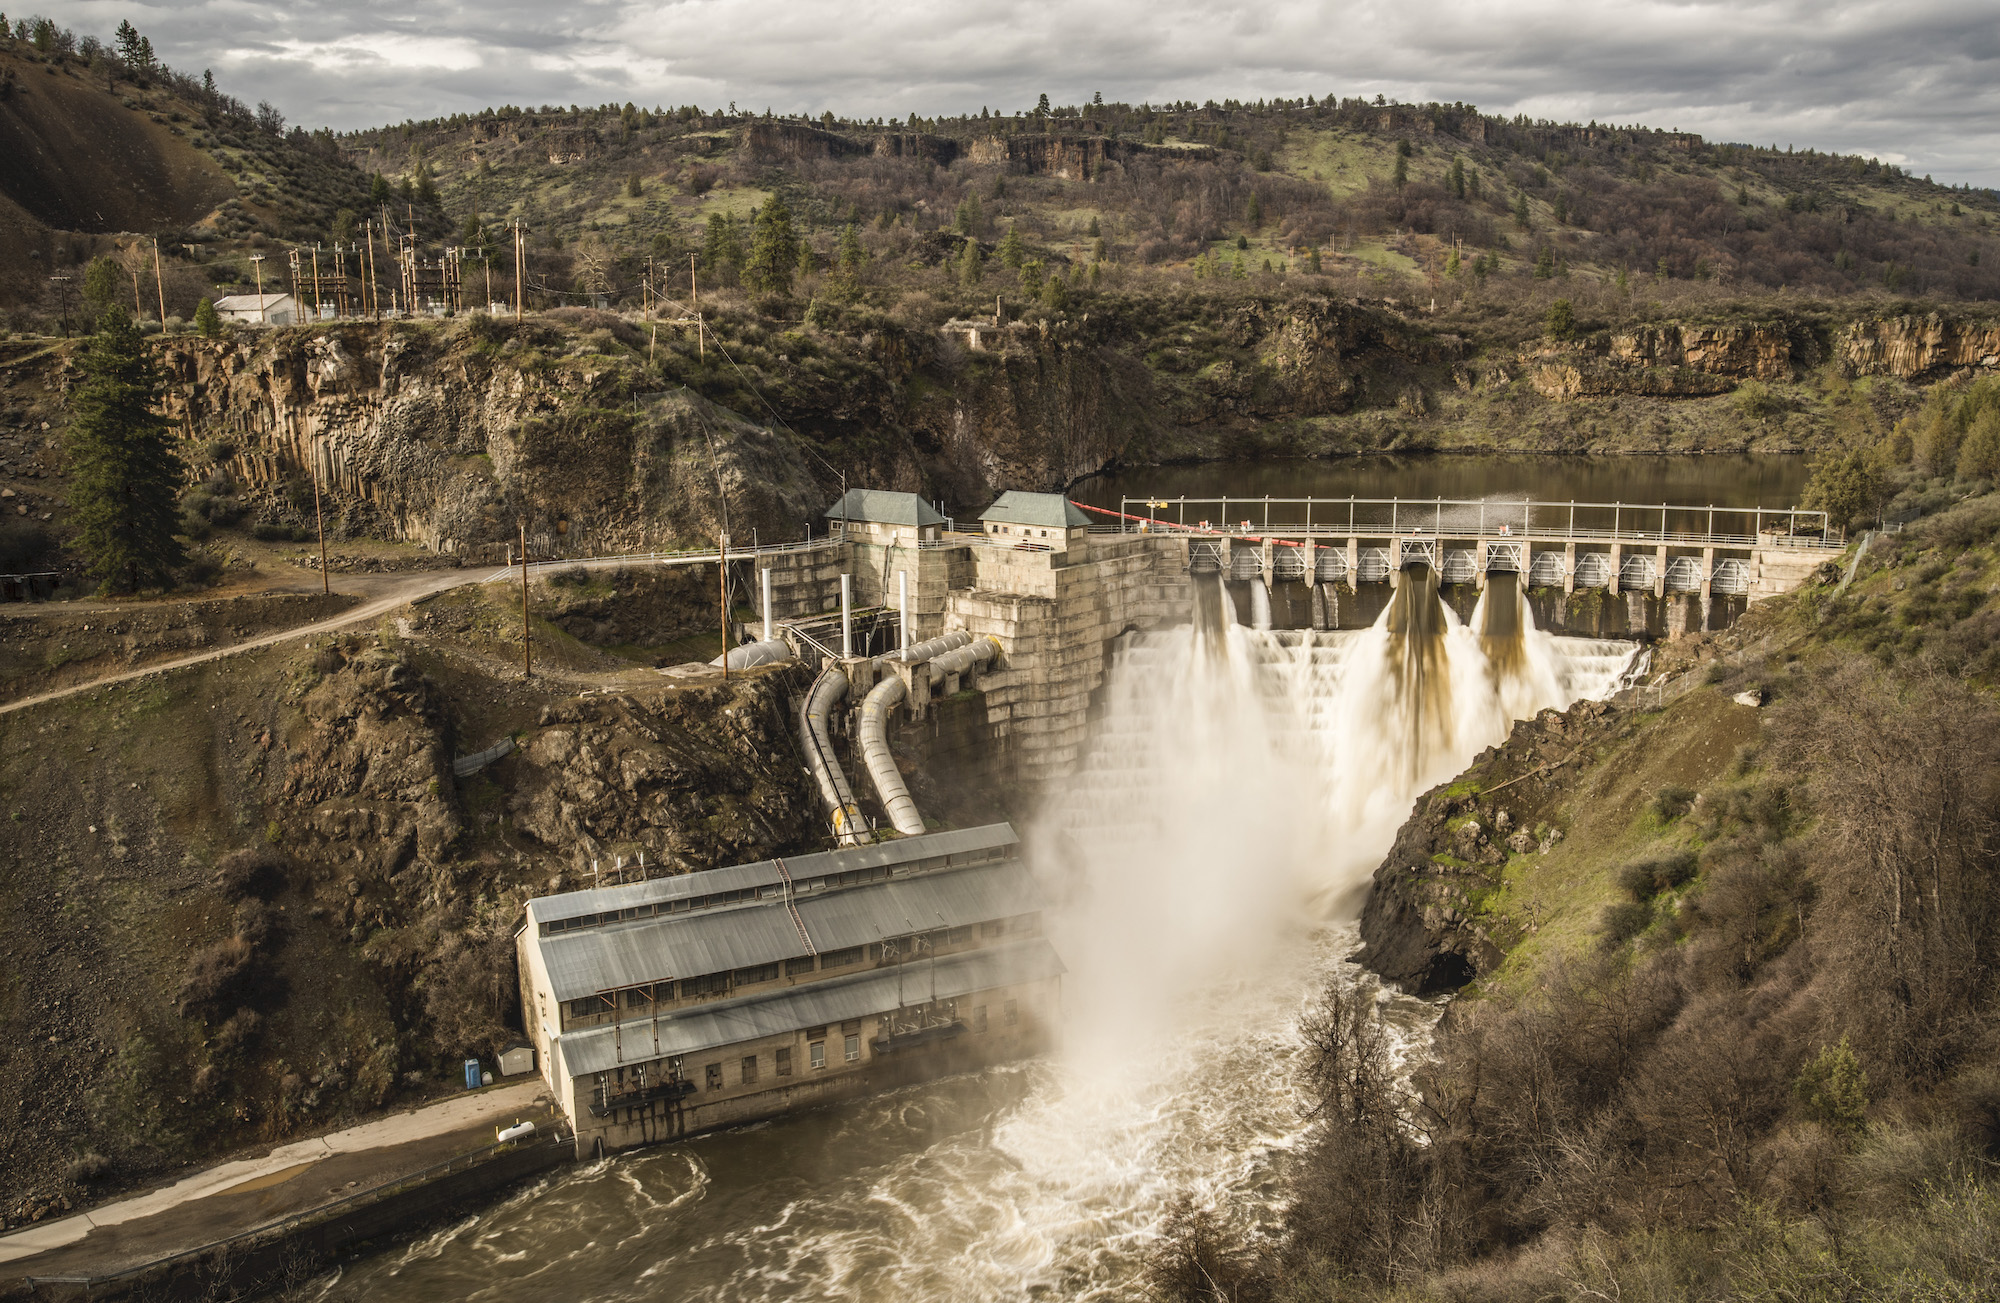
(472, 1074)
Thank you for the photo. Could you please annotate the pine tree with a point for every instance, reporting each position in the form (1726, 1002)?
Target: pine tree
(968, 218)
(1055, 294)
(1253, 212)
(1402, 176)
(207, 320)
(721, 248)
(1012, 251)
(1458, 177)
(970, 264)
(634, 187)
(774, 250)
(1451, 264)
(124, 475)
(1031, 277)
(378, 190)
(103, 285)
(1562, 320)
(1521, 209)
(1312, 261)
(1545, 264)
(1094, 230)
(126, 38)
(851, 253)
(808, 260)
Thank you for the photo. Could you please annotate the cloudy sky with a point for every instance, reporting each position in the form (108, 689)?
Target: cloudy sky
(1914, 81)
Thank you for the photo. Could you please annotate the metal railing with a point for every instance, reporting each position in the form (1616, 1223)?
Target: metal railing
(1655, 523)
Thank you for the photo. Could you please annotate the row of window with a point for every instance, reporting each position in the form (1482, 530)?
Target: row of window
(642, 999)
(770, 891)
(849, 1043)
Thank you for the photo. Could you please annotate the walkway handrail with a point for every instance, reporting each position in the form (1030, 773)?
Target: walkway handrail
(1495, 519)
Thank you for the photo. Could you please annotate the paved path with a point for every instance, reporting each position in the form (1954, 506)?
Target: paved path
(472, 1109)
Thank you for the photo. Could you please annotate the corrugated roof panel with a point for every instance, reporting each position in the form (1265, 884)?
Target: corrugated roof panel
(708, 882)
(584, 962)
(730, 1022)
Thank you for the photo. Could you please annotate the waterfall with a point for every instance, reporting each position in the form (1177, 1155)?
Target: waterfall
(1243, 783)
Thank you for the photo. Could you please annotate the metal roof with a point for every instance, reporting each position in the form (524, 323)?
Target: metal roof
(752, 1017)
(708, 882)
(882, 507)
(657, 949)
(1043, 510)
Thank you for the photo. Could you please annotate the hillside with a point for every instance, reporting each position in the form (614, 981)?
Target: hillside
(1376, 196)
(100, 156)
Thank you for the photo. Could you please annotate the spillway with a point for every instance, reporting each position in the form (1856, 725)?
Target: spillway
(1240, 786)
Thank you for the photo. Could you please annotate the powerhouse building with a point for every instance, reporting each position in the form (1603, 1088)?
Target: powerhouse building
(676, 1005)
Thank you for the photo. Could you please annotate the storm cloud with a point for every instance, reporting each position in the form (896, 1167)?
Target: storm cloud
(1912, 82)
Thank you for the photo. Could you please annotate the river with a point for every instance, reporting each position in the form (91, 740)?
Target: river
(1240, 787)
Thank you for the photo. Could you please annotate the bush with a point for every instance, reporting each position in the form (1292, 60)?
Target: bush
(216, 972)
(1625, 920)
(88, 1166)
(1644, 879)
(247, 872)
(1671, 801)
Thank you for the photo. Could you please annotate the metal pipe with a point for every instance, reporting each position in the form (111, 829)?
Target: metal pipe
(903, 610)
(875, 753)
(816, 734)
(767, 652)
(767, 603)
(846, 615)
(977, 652)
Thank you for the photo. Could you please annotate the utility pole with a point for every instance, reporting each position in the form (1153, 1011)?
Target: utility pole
(518, 273)
(527, 655)
(160, 283)
(722, 571)
(317, 314)
(62, 300)
(319, 520)
(257, 261)
(700, 332)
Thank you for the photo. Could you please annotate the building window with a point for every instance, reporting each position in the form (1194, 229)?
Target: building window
(817, 1054)
(841, 958)
(784, 1057)
(815, 1033)
(979, 1017)
(998, 929)
(803, 964)
(638, 997)
(715, 1076)
(1011, 1011)
(853, 1049)
(583, 1008)
(749, 1069)
(711, 984)
(761, 973)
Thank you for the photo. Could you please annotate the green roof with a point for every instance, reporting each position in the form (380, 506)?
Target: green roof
(881, 507)
(1043, 510)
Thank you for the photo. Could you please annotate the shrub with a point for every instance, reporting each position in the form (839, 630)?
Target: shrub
(246, 872)
(1625, 920)
(1832, 1090)
(1670, 802)
(88, 1166)
(1644, 879)
(216, 972)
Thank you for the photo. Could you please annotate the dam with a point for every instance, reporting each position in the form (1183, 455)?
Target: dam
(1210, 779)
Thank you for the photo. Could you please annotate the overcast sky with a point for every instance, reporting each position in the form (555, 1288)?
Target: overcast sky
(1915, 81)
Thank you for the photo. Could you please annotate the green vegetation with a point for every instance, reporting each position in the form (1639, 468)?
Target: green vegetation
(125, 476)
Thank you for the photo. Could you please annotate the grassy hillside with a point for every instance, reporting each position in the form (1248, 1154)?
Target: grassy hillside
(1376, 196)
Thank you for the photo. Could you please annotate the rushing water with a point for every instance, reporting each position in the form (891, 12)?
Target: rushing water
(1241, 785)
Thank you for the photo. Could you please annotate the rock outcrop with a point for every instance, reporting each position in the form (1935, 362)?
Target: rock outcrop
(1915, 348)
